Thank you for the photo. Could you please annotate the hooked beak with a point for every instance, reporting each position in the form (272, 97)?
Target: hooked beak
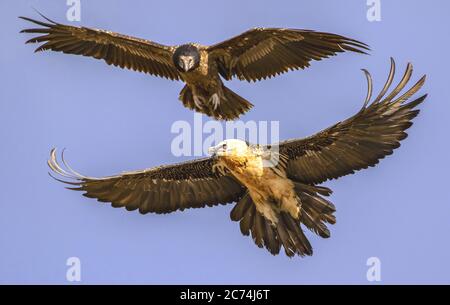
(212, 151)
(187, 64)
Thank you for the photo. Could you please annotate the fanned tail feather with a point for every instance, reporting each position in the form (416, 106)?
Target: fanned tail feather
(229, 106)
(287, 232)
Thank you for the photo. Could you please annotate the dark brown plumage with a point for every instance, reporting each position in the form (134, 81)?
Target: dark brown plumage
(253, 55)
(271, 215)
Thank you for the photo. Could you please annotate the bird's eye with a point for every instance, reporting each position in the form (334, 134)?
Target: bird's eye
(224, 146)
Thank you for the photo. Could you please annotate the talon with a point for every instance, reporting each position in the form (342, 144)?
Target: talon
(198, 102)
(215, 100)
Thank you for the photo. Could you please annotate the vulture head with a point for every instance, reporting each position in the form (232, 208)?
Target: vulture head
(229, 149)
(186, 58)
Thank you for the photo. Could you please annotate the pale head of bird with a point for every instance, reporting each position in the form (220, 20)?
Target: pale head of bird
(229, 149)
(186, 57)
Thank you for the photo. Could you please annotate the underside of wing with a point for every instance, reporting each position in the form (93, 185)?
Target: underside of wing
(360, 141)
(115, 49)
(261, 53)
(164, 189)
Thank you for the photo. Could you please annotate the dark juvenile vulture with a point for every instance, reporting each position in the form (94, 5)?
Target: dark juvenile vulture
(276, 188)
(253, 55)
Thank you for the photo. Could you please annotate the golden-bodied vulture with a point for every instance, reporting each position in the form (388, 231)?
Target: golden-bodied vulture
(253, 55)
(276, 187)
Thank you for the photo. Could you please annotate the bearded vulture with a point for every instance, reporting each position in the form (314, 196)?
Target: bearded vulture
(253, 55)
(276, 188)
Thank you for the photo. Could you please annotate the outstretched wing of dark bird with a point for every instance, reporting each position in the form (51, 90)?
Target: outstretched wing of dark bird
(163, 189)
(260, 53)
(360, 141)
(116, 49)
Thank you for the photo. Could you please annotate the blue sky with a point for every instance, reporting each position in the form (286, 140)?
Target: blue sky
(112, 120)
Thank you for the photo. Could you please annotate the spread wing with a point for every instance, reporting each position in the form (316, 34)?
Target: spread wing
(260, 53)
(164, 189)
(360, 141)
(116, 49)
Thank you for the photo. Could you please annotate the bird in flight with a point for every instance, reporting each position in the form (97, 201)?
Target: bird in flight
(256, 54)
(277, 191)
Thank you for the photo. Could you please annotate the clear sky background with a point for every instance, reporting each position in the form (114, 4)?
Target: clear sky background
(111, 120)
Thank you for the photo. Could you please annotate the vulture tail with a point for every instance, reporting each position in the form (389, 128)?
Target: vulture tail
(221, 106)
(316, 211)
(287, 232)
